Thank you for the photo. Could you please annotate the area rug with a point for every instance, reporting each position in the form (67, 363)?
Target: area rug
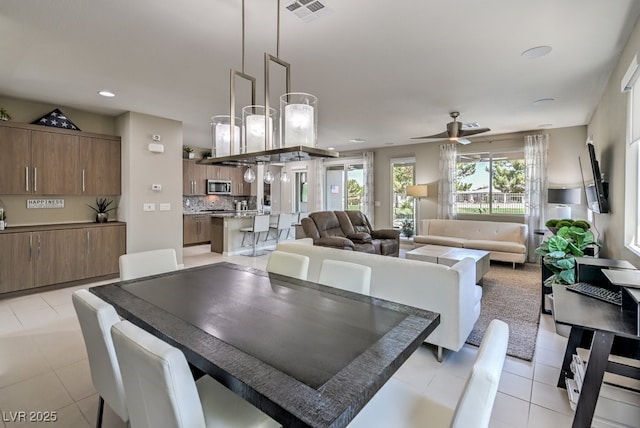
(513, 296)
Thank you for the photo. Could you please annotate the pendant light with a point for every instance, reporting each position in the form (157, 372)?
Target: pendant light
(284, 178)
(221, 135)
(268, 176)
(298, 111)
(249, 175)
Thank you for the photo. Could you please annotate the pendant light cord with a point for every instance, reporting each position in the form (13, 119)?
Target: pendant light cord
(277, 32)
(243, 36)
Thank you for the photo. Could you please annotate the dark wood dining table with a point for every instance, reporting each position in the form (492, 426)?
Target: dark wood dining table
(303, 353)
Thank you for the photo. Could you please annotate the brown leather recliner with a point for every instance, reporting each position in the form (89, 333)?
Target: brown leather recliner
(336, 229)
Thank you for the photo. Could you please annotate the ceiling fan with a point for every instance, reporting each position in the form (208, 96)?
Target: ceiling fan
(456, 131)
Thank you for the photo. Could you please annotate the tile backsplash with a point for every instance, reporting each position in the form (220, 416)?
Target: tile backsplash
(191, 204)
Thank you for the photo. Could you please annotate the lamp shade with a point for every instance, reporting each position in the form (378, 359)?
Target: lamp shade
(221, 134)
(418, 191)
(563, 196)
(299, 113)
(254, 127)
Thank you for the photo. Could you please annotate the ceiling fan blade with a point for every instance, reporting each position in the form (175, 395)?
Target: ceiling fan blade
(463, 141)
(473, 131)
(440, 135)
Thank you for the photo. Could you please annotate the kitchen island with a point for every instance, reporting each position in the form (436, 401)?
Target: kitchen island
(226, 237)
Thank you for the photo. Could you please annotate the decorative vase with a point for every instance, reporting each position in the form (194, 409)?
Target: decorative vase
(102, 217)
(2, 225)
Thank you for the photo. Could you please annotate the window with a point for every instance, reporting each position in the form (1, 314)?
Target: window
(490, 183)
(402, 175)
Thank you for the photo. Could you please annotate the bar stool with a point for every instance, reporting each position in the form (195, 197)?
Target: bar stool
(283, 223)
(260, 224)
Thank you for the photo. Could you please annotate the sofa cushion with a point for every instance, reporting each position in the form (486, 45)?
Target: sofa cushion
(440, 240)
(327, 224)
(507, 247)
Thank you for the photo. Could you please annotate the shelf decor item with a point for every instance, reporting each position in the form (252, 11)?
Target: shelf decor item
(55, 118)
(4, 114)
(188, 152)
(3, 219)
(102, 209)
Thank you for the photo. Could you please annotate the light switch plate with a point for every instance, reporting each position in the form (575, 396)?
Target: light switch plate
(148, 207)
(165, 207)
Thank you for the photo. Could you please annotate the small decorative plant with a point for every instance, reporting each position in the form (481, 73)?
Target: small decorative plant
(4, 115)
(555, 224)
(188, 152)
(102, 209)
(560, 250)
(206, 155)
(407, 228)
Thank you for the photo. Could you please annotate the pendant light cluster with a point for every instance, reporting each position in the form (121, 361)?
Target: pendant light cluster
(263, 128)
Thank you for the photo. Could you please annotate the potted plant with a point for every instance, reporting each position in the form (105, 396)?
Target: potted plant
(206, 155)
(4, 115)
(560, 250)
(102, 209)
(188, 152)
(407, 228)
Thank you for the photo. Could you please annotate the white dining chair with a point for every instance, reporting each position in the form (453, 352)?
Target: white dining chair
(288, 264)
(397, 404)
(145, 263)
(161, 391)
(345, 275)
(96, 318)
(283, 223)
(260, 224)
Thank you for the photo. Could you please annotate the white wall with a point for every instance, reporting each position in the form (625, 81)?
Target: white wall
(140, 169)
(608, 126)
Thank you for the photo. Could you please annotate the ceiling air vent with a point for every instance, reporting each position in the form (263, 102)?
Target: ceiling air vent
(307, 10)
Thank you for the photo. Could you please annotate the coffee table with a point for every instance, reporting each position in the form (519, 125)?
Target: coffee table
(451, 255)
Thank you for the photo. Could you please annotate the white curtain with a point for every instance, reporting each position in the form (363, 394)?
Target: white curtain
(447, 185)
(368, 186)
(536, 149)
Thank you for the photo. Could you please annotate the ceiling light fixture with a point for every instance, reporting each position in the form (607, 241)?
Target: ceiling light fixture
(106, 93)
(536, 52)
(357, 140)
(298, 110)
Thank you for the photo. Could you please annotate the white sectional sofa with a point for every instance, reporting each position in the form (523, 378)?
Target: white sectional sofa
(450, 291)
(506, 242)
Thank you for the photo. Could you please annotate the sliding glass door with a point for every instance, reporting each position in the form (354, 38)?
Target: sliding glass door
(344, 186)
(402, 206)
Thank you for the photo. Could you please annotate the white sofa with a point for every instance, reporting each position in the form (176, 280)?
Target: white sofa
(505, 242)
(450, 291)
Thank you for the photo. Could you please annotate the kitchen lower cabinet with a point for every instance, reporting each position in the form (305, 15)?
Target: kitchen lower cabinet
(196, 229)
(37, 256)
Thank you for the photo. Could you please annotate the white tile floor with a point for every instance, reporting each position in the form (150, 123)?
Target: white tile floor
(44, 367)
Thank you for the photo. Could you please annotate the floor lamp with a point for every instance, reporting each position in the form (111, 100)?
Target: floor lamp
(418, 191)
(562, 197)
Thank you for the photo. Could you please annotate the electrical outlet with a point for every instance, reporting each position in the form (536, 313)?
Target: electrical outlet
(148, 207)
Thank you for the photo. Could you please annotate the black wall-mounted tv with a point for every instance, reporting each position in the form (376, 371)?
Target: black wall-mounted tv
(595, 189)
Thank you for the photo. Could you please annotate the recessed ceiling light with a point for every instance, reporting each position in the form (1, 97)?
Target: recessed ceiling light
(537, 52)
(389, 144)
(331, 148)
(545, 125)
(106, 93)
(357, 140)
(543, 101)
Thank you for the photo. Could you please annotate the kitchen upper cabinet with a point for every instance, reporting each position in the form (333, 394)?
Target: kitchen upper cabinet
(15, 162)
(40, 161)
(194, 177)
(54, 164)
(240, 187)
(100, 166)
(217, 172)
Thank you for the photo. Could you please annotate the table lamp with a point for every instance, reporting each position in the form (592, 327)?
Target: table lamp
(563, 197)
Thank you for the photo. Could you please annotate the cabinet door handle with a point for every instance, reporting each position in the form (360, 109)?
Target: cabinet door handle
(26, 176)
(30, 246)
(83, 182)
(35, 179)
(38, 246)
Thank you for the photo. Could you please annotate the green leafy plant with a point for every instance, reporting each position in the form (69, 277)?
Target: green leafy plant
(3, 215)
(4, 115)
(188, 149)
(407, 228)
(560, 250)
(102, 206)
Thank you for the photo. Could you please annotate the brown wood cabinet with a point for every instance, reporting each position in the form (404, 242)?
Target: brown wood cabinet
(240, 187)
(49, 161)
(32, 257)
(196, 229)
(194, 177)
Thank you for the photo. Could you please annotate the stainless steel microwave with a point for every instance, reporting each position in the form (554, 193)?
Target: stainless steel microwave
(218, 187)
